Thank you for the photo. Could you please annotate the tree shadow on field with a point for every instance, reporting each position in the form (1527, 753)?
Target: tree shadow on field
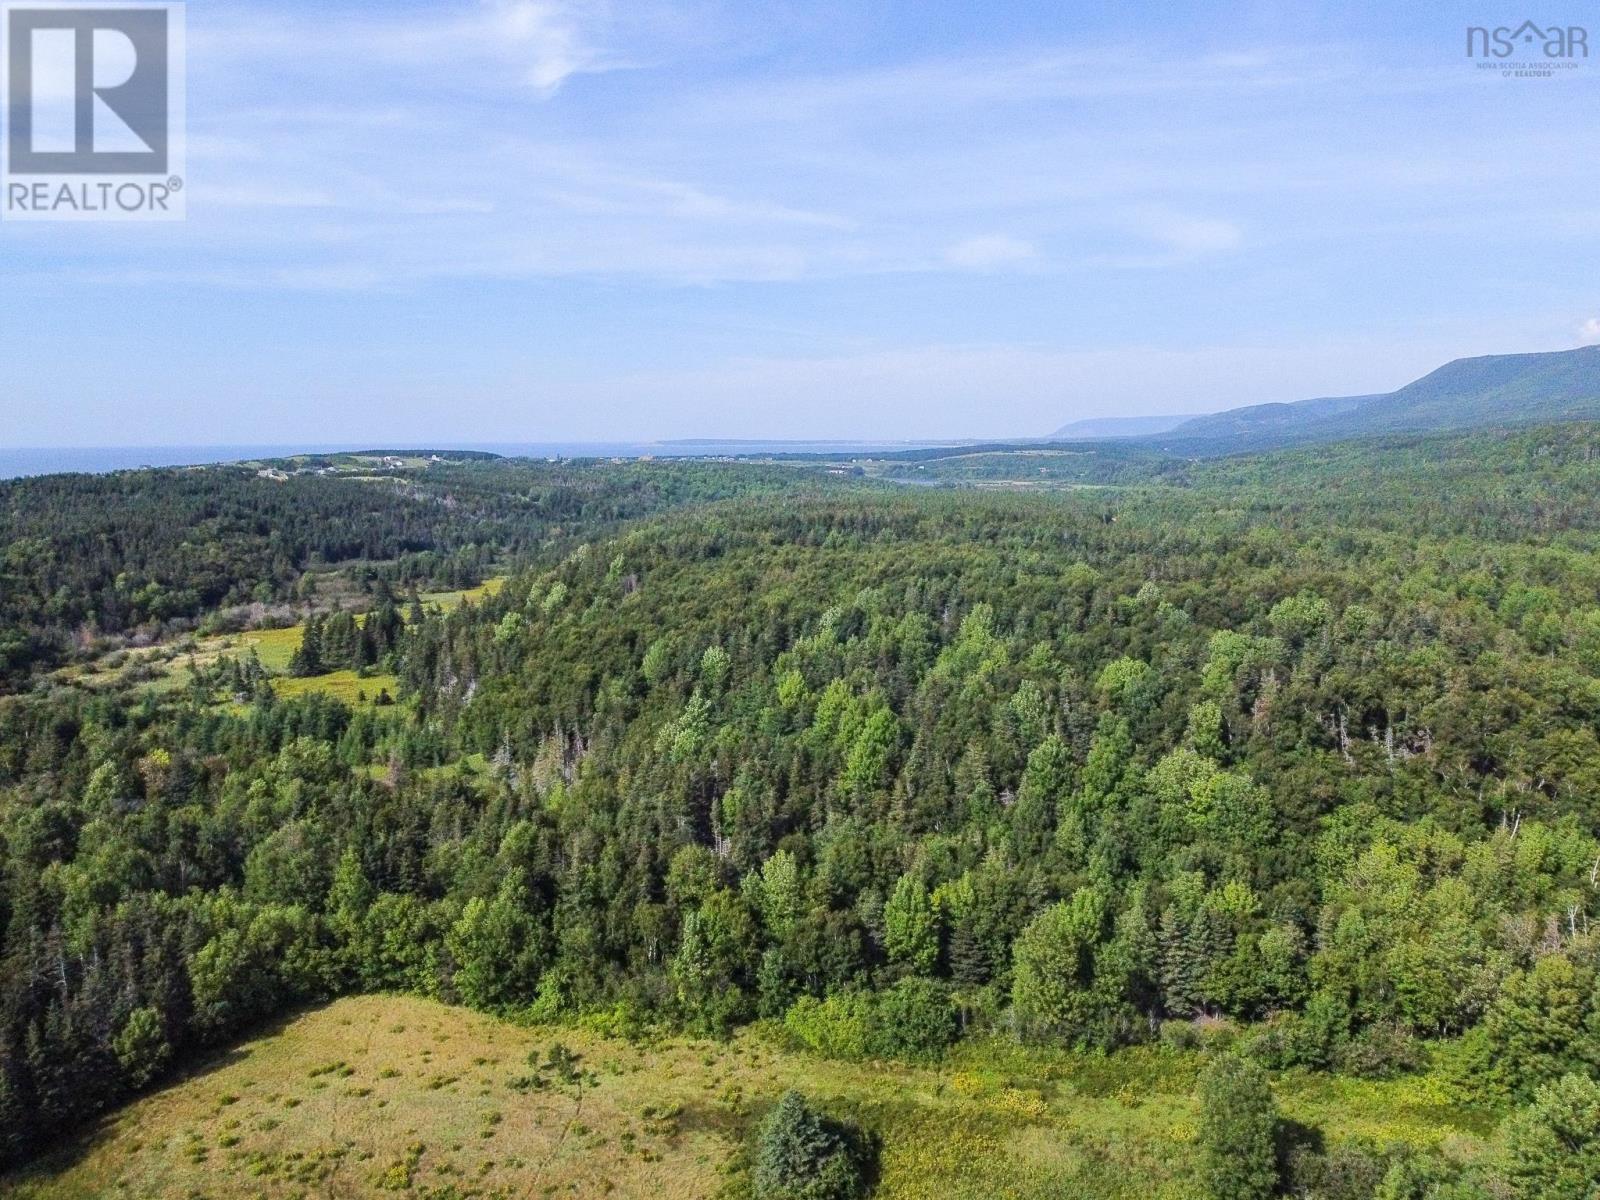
(1296, 1136)
(1301, 1149)
(68, 1148)
(866, 1147)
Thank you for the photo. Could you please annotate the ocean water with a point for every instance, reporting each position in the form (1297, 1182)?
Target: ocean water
(15, 463)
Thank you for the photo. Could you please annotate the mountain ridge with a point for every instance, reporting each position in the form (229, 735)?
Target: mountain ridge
(1093, 428)
(1465, 393)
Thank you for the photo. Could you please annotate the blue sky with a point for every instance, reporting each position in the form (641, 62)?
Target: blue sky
(531, 220)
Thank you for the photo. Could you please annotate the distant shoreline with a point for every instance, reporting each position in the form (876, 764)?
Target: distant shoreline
(16, 463)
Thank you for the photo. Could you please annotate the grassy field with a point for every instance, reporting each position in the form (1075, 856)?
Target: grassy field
(449, 601)
(347, 686)
(274, 647)
(277, 646)
(167, 667)
(396, 1096)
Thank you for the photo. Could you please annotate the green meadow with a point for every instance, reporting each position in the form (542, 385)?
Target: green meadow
(393, 1095)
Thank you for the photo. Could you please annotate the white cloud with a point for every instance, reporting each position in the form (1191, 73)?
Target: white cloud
(1169, 238)
(1196, 235)
(470, 138)
(1589, 331)
(990, 250)
(548, 34)
(534, 43)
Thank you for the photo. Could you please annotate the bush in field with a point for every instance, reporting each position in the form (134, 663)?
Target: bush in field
(1352, 1170)
(838, 1027)
(1238, 1131)
(915, 1019)
(1380, 1051)
(1552, 1147)
(805, 1155)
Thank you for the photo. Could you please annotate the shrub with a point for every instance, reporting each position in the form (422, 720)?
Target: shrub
(1348, 1171)
(1381, 1051)
(805, 1155)
(1318, 1036)
(1533, 1031)
(1431, 1176)
(1238, 1131)
(1320, 1032)
(1552, 1147)
(141, 1046)
(915, 1019)
(838, 1027)
(1272, 1044)
(1070, 983)
(1180, 1035)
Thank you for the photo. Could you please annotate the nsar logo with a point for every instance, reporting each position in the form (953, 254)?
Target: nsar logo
(1529, 50)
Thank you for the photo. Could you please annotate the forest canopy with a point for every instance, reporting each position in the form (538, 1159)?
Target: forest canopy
(1225, 742)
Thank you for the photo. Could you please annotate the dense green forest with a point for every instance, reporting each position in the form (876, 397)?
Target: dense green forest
(92, 557)
(1294, 754)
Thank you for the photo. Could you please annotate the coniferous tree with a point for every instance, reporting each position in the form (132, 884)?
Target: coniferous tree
(1238, 1131)
(1552, 1147)
(308, 659)
(803, 1155)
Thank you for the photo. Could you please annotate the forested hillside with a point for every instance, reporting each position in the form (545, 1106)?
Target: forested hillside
(1494, 390)
(91, 557)
(1291, 755)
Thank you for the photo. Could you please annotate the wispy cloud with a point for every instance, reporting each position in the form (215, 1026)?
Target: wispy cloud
(548, 34)
(1190, 235)
(988, 251)
(1162, 237)
(492, 138)
(443, 141)
(536, 43)
(718, 215)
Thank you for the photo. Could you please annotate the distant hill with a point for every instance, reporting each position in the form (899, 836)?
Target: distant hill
(1469, 393)
(1269, 420)
(1093, 428)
